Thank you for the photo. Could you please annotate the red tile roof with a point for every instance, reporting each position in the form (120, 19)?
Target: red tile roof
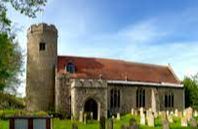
(111, 69)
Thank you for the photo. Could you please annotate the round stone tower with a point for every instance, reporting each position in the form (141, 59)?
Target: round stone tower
(41, 63)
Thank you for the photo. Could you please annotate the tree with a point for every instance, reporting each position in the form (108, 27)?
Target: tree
(26, 7)
(191, 91)
(10, 63)
(11, 59)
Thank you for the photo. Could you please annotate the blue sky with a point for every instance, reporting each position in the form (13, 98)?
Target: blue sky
(148, 31)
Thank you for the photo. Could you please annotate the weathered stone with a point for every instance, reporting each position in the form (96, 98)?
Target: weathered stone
(132, 111)
(49, 89)
(184, 113)
(132, 121)
(170, 118)
(141, 111)
(165, 124)
(150, 120)
(176, 113)
(91, 115)
(40, 67)
(124, 127)
(195, 114)
(193, 123)
(184, 122)
(110, 124)
(81, 116)
(118, 116)
(167, 113)
(113, 117)
(189, 113)
(102, 122)
(85, 118)
(142, 119)
(74, 126)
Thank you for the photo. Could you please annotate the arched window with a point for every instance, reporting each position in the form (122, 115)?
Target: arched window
(140, 98)
(169, 100)
(114, 98)
(70, 67)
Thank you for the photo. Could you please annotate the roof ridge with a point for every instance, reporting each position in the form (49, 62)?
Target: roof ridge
(113, 59)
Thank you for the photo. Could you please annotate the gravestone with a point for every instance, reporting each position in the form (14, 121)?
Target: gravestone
(170, 118)
(141, 111)
(132, 111)
(176, 113)
(85, 118)
(81, 116)
(74, 126)
(72, 118)
(102, 122)
(167, 112)
(142, 119)
(189, 113)
(179, 114)
(165, 124)
(193, 123)
(113, 117)
(195, 114)
(91, 115)
(132, 121)
(124, 127)
(118, 116)
(150, 119)
(132, 124)
(110, 124)
(159, 113)
(184, 113)
(184, 122)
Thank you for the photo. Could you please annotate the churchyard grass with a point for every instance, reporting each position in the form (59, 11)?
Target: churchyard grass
(66, 124)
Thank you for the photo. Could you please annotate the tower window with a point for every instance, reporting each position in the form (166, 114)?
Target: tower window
(42, 46)
(70, 68)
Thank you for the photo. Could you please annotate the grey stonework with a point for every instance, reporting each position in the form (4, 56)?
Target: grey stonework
(82, 90)
(41, 67)
(63, 94)
(47, 89)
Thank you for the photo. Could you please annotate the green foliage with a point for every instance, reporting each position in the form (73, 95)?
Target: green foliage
(67, 124)
(191, 91)
(26, 7)
(10, 102)
(10, 63)
(10, 53)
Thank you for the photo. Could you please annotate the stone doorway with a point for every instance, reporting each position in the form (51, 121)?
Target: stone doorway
(91, 106)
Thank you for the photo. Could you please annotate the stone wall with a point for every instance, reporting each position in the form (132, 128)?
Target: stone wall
(179, 101)
(154, 97)
(63, 94)
(40, 80)
(82, 90)
(128, 97)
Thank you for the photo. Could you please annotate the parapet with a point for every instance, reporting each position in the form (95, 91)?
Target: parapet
(89, 83)
(42, 27)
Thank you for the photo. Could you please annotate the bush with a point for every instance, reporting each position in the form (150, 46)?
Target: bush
(8, 101)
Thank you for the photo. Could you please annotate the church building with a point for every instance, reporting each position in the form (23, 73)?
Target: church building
(104, 87)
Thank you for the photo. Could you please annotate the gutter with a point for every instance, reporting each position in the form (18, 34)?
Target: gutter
(162, 84)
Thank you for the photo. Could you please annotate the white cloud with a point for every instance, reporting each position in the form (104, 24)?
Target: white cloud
(150, 40)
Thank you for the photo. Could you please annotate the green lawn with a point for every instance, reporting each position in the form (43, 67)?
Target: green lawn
(66, 124)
